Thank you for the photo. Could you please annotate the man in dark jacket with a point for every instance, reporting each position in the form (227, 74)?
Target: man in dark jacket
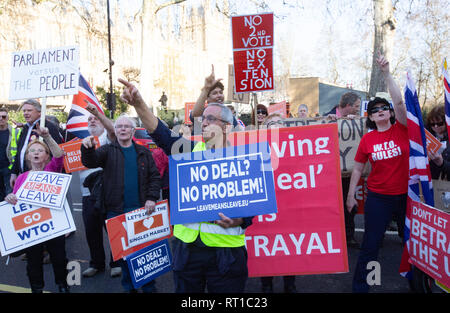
(130, 178)
(31, 109)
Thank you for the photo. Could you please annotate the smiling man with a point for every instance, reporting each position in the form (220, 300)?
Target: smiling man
(208, 255)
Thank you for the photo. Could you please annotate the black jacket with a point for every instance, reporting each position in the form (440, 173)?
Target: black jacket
(54, 132)
(110, 158)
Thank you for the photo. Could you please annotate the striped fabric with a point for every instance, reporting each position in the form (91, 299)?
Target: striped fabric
(419, 167)
(77, 121)
(447, 93)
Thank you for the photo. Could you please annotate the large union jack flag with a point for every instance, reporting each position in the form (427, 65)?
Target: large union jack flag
(419, 167)
(77, 122)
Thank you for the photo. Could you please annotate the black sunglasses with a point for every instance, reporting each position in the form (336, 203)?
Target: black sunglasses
(437, 124)
(382, 108)
(261, 112)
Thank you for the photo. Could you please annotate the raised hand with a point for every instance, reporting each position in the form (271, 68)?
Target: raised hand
(89, 142)
(91, 108)
(211, 79)
(42, 131)
(131, 94)
(383, 63)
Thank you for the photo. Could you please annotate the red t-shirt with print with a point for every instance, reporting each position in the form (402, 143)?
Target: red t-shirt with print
(388, 153)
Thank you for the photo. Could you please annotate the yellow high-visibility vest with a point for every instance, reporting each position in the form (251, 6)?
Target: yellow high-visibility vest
(15, 133)
(211, 235)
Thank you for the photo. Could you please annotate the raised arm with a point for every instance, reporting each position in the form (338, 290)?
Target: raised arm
(106, 122)
(210, 81)
(132, 96)
(394, 90)
(51, 143)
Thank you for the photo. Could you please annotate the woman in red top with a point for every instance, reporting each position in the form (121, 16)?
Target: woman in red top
(386, 147)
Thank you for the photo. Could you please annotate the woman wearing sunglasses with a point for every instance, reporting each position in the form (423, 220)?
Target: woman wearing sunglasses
(261, 114)
(440, 167)
(386, 147)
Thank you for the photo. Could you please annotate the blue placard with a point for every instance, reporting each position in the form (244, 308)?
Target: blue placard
(148, 263)
(236, 181)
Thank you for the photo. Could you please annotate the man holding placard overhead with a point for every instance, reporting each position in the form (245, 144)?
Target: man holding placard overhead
(208, 255)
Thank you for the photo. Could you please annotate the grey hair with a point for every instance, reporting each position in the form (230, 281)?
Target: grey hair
(303, 106)
(32, 102)
(132, 121)
(225, 113)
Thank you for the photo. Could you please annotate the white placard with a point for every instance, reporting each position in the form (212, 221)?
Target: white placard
(23, 225)
(44, 73)
(143, 228)
(46, 189)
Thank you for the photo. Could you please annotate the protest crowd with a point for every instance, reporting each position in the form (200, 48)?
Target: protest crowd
(121, 176)
(215, 200)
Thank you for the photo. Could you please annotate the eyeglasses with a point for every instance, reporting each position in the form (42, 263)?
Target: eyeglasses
(4, 117)
(437, 124)
(378, 109)
(210, 119)
(123, 126)
(261, 112)
(37, 150)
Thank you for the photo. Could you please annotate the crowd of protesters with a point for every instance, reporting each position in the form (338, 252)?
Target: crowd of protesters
(208, 255)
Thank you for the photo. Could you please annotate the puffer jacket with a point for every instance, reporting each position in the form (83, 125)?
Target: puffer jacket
(110, 158)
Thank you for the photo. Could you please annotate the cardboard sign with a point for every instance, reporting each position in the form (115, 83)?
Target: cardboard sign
(279, 107)
(72, 157)
(236, 181)
(142, 227)
(441, 190)
(24, 225)
(188, 107)
(253, 70)
(232, 96)
(253, 52)
(307, 235)
(44, 73)
(45, 189)
(429, 247)
(252, 31)
(350, 133)
(147, 264)
(118, 238)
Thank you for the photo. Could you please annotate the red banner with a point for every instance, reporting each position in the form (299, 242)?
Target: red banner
(307, 235)
(429, 244)
(253, 52)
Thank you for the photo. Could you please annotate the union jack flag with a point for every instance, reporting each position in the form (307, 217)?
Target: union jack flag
(419, 168)
(446, 93)
(77, 122)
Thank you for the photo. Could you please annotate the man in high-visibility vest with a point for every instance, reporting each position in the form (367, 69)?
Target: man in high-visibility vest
(8, 151)
(208, 255)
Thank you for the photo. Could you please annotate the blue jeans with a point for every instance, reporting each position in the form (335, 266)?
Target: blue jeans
(378, 212)
(127, 284)
(5, 188)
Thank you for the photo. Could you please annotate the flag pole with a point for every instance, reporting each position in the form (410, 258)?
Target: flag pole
(43, 113)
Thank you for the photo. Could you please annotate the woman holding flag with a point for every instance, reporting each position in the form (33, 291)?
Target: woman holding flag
(38, 156)
(386, 147)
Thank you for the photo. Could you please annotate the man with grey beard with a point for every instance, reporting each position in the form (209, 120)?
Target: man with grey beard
(100, 126)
